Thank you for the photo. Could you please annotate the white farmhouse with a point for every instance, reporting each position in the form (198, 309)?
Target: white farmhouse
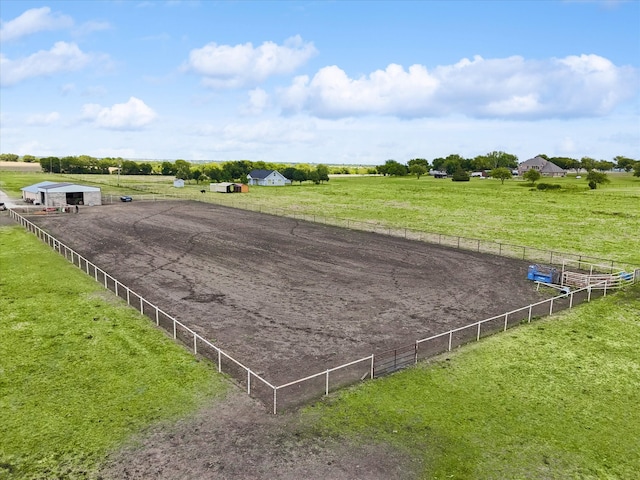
(267, 178)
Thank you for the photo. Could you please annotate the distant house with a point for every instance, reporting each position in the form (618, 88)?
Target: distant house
(438, 174)
(545, 167)
(52, 194)
(178, 183)
(267, 178)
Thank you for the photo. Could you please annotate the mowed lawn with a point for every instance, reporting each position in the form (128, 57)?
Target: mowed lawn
(80, 371)
(554, 399)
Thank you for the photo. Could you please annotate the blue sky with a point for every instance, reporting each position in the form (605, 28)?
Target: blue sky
(320, 82)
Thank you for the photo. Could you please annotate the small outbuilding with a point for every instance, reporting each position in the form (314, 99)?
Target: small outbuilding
(227, 187)
(178, 183)
(51, 194)
(267, 178)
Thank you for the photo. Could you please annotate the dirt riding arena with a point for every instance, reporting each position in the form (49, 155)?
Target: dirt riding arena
(290, 298)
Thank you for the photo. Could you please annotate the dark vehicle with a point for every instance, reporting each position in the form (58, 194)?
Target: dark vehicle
(126, 198)
(3, 207)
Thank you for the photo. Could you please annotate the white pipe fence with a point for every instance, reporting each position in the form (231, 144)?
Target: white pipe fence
(267, 392)
(532, 254)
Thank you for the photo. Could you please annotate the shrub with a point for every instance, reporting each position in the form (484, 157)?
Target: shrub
(548, 186)
(460, 176)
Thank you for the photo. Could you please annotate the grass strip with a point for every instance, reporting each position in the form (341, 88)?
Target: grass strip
(557, 398)
(80, 371)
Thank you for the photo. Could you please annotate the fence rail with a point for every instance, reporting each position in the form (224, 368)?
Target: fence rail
(375, 365)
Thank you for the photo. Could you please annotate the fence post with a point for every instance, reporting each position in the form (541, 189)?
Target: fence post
(195, 345)
(157, 317)
(174, 328)
(571, 301)
(478, 336)
(248, 382)
(372, 362)
(219, 361)
(588, 293)
(530, 311)
(326, 383)
(450, 338)
(551, 306)
(275, 401)
(506, 317)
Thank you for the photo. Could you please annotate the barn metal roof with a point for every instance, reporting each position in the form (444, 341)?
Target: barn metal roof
(34, 188)
(67, 188)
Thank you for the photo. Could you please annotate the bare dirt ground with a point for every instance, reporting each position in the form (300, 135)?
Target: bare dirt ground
(235, 440)
(288, 298)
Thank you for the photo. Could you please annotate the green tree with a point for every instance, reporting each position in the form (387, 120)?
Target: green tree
(9, 157)
(288, 172)
(418, 170)
(167, 168)
(532, 175)
(587, 163)
(418, 161)
(604, 165)
(452, 163)
(566, 163)
(596, 178)
(438, 163)
(636, 169)
(496, 159)
(502, 173)
(183, 170)
(214, 172)
(625, 163)
(145, 168)
(323, 173)
(393, 167)
(29, 158)
(299, 175)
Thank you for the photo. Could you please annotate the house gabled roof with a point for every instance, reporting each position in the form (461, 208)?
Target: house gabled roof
(535, 162)
(545, 166)
(551, 167)
(260, 174)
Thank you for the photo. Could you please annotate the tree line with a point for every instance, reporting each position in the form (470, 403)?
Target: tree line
(237, 170)
(231, 171)
(455, 164)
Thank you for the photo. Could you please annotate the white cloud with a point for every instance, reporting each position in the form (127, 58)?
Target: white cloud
(574, 86)
(42, 119)
(258, 101)
(90, 27)
(66, 89)
(225, 66)
(132, 115)
(63, 57)
(33, 21)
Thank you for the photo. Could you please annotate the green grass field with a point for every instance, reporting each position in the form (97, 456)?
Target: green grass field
(602, 222)
(554, 399)
(80, 370)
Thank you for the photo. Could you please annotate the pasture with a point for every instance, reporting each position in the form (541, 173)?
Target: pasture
(554, 399)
